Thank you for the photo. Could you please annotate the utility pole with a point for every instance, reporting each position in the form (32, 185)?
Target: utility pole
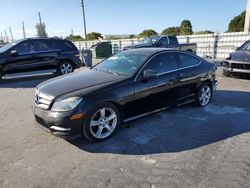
(247, 19)
(11, 34)
(84, 22)
(24, 34)
(40, 19)
(6, 36)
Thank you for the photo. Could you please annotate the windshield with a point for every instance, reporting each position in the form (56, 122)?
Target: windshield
(123, 63)
(245, 46)
(8, 46)
(149, 40)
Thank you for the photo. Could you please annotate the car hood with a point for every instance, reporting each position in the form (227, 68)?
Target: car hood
(138, 46)
(243, 56)
(82, 80)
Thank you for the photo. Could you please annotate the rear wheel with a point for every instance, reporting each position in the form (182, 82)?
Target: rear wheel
(101, 122)
(65, 67)
(204, 95)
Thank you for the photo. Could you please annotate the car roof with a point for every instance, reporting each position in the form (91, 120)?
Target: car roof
(38, 38)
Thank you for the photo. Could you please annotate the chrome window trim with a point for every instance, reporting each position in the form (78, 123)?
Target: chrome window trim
(160, 53)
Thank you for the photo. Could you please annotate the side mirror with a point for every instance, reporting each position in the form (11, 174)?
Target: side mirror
(149, 74)
(238, 48)
(14, 53)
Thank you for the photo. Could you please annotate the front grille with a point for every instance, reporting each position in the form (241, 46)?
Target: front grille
(42, 101)
(240, 66)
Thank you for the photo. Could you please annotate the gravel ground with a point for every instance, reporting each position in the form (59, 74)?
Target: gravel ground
(181, 147)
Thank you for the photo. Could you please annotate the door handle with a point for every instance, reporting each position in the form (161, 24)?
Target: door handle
(179, 76)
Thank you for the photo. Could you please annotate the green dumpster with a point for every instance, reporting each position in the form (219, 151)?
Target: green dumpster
(102, 50)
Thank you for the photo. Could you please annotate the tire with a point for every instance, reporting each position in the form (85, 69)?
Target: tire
(66, 67)
(226, 73)
(97, 127)
(1, 75)
(204, 95)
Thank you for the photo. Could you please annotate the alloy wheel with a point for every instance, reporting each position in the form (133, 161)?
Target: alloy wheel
(103, 123)
(66, 68)
(205, 95)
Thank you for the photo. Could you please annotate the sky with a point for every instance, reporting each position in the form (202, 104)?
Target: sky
(115, 16)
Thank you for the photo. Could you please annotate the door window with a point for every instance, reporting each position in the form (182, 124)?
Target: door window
(24, 47)
(187, 60)
(163, 63)
(43, 45)
(164, 42)
(173, 41)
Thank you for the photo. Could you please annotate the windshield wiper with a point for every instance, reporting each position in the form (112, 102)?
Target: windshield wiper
(108, 71)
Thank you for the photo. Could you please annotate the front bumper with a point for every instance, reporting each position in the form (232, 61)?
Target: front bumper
(59, 123)
(236, 67)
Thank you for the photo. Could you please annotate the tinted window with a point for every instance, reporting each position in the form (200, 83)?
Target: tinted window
(43, 45)
(24, 47)
(187, 60)
(245, 46)
(163, 63)
(173, 41)
(65, 45)
(163, 42)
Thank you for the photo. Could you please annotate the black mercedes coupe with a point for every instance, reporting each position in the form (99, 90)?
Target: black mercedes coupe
(94, 102)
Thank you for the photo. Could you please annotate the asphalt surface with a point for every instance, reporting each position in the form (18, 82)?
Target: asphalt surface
(184, 146)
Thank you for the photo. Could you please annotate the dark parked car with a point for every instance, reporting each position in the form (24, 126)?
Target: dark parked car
(238, 62)
(163, 41)
(131, 84)
(39, 54)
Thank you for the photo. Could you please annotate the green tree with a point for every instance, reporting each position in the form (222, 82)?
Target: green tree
(94, 36)
(204, 32)
(186, 28)
(41, 30)
(237, 23)
(72, 37)
(148, 33)
(131, 36)
(174, 31)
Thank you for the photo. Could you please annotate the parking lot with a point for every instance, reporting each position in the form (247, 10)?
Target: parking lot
(184, 146)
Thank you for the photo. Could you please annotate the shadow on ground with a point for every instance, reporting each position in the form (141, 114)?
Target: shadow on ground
(25, 82)
(179, 129)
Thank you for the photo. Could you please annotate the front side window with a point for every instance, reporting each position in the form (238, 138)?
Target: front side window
(123, 63)
(163, 42)
(187, 60)
(24, 47)
(163, 63)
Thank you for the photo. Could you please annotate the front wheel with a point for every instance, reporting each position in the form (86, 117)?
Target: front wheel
(65, 67)
(101, 122)
(226, 73)
(204, 95)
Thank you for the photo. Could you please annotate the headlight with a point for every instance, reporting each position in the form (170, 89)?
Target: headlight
(66, 104)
